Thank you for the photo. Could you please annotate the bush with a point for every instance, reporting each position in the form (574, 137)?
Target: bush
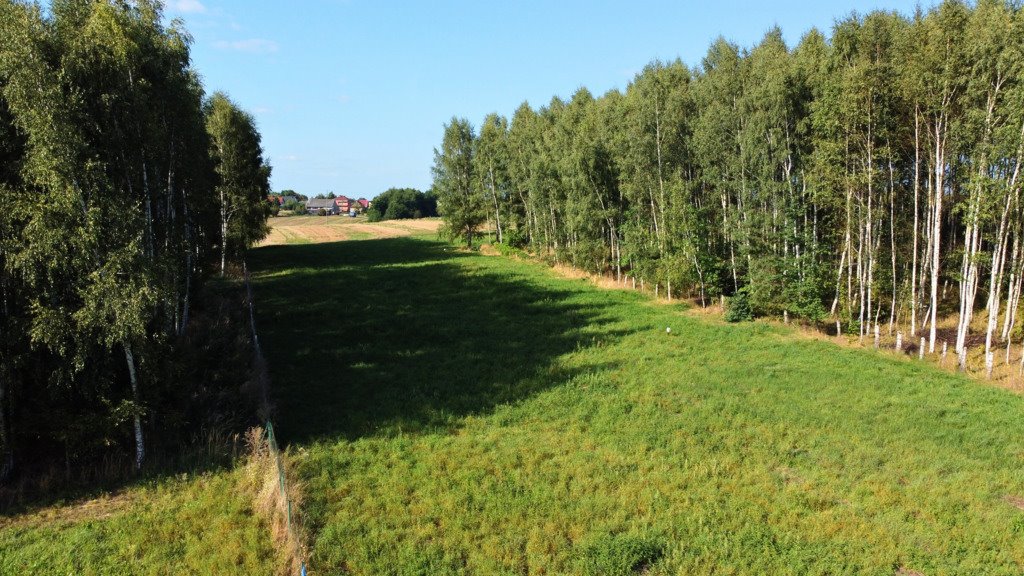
(737, 308)
(321, 212)
(516, 238)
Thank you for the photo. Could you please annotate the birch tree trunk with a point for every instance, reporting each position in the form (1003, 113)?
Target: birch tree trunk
(140, 447)
(223, 231)
(940, 166)
(917, 211)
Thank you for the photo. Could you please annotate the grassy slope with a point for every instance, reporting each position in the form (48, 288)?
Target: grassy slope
(185, 525)
(468, 414)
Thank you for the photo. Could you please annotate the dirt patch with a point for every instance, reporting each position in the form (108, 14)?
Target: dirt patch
(1015, 501)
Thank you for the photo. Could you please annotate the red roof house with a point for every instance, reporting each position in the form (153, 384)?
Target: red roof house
(343, 203)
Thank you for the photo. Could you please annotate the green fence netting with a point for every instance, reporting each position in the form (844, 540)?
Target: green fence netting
(283, 484)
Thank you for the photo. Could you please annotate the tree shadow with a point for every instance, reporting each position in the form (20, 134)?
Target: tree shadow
(380, 337)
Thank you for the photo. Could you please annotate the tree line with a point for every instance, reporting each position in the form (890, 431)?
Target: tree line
(123, 187)
(402, 203)
(868, 178)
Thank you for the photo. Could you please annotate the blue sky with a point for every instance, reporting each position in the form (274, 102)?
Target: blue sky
(351, 95)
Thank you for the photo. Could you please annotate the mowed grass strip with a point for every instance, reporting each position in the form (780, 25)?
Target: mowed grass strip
(454, 413)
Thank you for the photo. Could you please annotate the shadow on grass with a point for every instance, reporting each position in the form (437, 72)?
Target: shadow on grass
(398, 336)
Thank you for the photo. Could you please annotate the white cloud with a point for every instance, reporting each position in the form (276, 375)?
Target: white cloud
(344, 98)
(187, 6)
(252, 45)
(291, 157)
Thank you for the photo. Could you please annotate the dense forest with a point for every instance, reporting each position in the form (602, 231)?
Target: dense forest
(123, 187)
(868, 179)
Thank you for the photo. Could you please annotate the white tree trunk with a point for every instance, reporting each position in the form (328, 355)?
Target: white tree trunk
(140, 447)
(223, 232)
(917, 190)
(940, 166)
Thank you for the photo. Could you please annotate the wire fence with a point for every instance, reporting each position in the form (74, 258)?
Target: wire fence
(271, 438)
(293, 535)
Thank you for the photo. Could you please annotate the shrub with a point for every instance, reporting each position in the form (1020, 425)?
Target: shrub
(516, 238)
(321, 212)
(737, 308)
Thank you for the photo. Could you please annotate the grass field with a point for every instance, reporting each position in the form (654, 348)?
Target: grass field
(455, 413)
(188, 524)
(450, 412)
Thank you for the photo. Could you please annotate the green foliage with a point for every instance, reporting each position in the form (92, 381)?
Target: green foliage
(109, 181)
(243, 175)
(805, 173)
(459, 202)
(402, 203)
(738, 307)
(516, 238)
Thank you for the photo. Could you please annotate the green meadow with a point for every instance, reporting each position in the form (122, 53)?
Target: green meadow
(186, 524)
(456, 413)
(449, 412)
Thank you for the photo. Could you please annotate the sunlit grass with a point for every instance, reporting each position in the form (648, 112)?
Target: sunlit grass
(181, 525)
(455, 413)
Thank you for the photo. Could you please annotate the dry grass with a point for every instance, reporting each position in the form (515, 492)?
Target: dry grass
(1005, 374)
(98, 508)
(271, 499)
(314, 229)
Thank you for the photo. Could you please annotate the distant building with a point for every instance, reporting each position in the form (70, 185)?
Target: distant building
(315, 205)
(344, 203)
(364, 203)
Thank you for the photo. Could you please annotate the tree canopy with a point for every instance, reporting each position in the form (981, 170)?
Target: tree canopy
(112, 192)
(402, 203)
(852, 177)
